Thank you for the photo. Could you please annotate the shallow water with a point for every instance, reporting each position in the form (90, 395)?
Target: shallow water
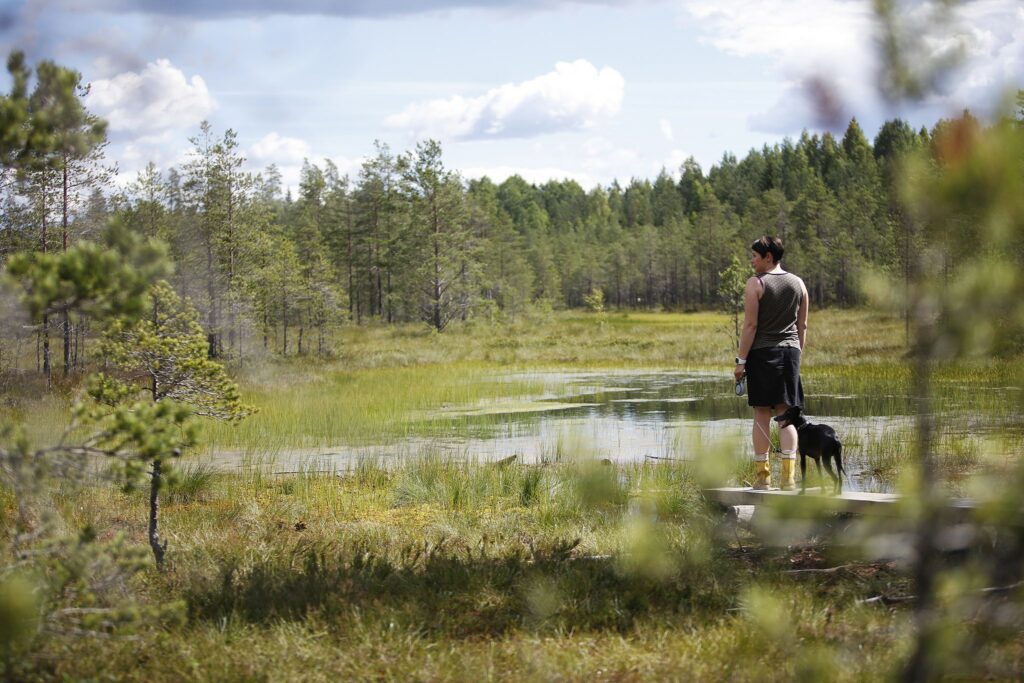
(621, 416)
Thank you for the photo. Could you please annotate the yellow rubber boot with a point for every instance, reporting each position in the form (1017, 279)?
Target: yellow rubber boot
(762, 472)
(788, 471)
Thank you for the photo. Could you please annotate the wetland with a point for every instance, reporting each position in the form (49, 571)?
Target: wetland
(367, 518)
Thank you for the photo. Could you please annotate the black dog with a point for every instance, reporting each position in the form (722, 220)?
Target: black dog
(817, 441)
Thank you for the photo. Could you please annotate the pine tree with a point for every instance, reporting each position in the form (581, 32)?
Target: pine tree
(380, 238)
(165, 354)
(444, 265)
(57, 155)
(214, 192)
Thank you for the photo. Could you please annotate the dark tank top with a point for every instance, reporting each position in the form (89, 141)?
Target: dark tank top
(777, 311)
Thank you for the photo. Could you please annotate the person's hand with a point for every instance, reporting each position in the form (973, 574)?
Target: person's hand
(739, 372)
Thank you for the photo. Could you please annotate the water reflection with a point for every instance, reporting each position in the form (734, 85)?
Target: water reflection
(702, 396)
(633, 416)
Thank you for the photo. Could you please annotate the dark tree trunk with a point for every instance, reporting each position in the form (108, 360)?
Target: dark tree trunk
(65, 317)
(159, 549)
(47, 370)
(284, 324)
(213, 319)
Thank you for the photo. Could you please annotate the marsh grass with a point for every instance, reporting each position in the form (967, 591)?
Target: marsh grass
(436, 567)
(190, 482)
(424, 383)
(368, 406)
(387, 384)
(442, 569)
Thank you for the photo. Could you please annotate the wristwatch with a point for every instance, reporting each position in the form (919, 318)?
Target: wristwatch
(741, 361)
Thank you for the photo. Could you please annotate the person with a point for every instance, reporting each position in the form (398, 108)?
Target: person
(774, 336)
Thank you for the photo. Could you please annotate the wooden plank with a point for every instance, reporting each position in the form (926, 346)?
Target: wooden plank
(860, 502)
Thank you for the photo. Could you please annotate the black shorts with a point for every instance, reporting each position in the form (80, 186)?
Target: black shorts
(773, 377)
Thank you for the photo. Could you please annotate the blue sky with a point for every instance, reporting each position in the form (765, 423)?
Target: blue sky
(588, 89)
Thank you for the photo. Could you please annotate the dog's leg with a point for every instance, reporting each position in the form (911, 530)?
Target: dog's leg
(836, 482)
(821, 475)
(803, 473)
(839, 468)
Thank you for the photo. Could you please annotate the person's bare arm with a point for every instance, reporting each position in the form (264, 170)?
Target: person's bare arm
(801, 317)
(751, 304)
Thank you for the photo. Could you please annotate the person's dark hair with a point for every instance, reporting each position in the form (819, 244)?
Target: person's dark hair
(766, 245)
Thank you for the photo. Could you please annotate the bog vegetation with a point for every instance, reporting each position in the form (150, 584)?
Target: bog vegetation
(364, 296)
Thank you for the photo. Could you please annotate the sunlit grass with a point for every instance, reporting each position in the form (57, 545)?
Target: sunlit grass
(437, 568)
(366, 406)
(406, 384)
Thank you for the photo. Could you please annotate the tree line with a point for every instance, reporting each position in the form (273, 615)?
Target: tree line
(406, 238)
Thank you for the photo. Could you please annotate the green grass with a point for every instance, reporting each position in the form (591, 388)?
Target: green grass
(439, 570)
(392, 383)
(432, 568)
(389, 383)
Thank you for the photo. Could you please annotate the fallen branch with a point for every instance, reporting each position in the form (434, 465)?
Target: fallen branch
(887, 600)
(1001, 589)
(828, 570)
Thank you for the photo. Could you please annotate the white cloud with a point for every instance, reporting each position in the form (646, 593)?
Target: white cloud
(157, 98)
(272, 148)
(824, 42)
(576, 95)
(673, 164)
(795, 33)
(164, 150)
(288, 154)
(993, 34)
(666, 129)
(834, 42)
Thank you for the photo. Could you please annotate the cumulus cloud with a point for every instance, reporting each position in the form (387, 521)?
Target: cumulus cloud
(794, 33)
(272, 148)
(829, 50)
(288, 154)
(673, 164)
(828, 41)
(576, 95)
(993, 39)
(159, 97)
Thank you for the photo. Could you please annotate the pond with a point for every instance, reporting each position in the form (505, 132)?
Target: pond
(629, 417)
(633, 416)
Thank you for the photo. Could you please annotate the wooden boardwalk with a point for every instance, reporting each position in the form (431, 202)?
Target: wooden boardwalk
(854, 502)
